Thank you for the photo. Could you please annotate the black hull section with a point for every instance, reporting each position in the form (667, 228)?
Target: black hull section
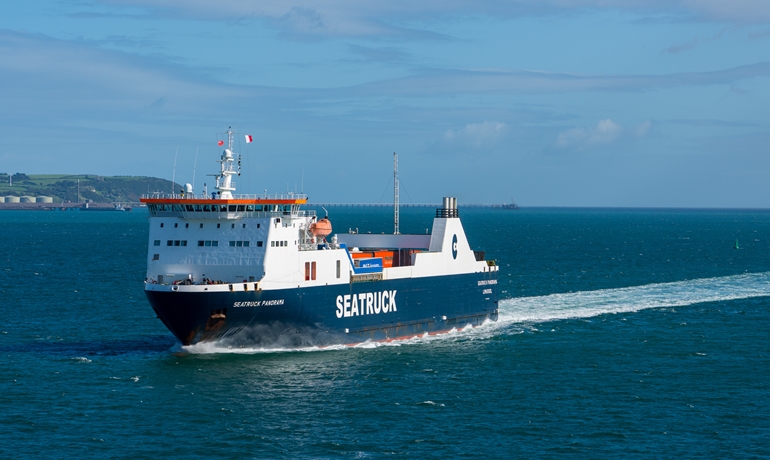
(326, 315)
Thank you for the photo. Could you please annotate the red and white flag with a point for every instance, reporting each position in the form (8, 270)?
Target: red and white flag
(249, 138)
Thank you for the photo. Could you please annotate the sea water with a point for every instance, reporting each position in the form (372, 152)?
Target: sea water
(633, 333)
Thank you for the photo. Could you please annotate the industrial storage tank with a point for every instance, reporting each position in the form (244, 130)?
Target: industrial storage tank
(44, 199)
(27, 199)
(12, 199)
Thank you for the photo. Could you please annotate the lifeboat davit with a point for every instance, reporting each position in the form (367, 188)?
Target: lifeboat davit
(321, 228)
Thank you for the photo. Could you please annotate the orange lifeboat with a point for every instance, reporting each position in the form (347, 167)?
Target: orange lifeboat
(321, 228)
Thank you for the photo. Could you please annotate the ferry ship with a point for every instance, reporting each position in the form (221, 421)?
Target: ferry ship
(260, 270)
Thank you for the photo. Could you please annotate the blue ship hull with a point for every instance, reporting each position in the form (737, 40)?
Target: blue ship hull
(327, 315)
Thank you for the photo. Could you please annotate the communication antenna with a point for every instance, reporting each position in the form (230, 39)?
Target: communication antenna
(173, 174)
(195, 164)
(395, 194)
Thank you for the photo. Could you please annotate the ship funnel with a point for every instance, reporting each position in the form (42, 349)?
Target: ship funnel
(448, 208)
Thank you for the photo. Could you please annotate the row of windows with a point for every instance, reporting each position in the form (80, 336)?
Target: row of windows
(279, 244)
(219, 208)
(207, 243)
(187, 225)
(244, 244)
(171, 243)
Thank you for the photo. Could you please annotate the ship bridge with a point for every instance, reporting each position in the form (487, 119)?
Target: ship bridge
(188, 206)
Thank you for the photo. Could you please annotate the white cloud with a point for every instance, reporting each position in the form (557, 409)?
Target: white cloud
(747, 11)
(469, 81)
(475, 136)
(678, 48)
(381, 19)
(605, 132)
(478, 138)
(644, 128)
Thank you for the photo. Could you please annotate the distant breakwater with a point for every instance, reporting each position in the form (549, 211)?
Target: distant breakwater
(404, 205)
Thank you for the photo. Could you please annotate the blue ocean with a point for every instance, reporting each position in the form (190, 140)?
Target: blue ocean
(622, 333)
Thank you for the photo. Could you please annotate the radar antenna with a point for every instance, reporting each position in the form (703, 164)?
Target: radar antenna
(395, 194)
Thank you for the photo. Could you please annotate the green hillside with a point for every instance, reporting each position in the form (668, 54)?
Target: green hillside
(100, 189)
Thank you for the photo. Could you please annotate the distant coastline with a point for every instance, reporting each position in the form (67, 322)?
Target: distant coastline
(22, 191)
(122, 206)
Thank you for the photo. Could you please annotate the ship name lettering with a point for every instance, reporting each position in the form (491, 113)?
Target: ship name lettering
(366, 303)
(487, 282)
(259, 303)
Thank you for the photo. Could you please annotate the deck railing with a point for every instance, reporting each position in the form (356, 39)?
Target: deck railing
(263, 197)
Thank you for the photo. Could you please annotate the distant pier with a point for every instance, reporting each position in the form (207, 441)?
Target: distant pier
(404, 205)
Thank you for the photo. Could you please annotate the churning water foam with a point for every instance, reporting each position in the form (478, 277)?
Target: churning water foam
(527, 311)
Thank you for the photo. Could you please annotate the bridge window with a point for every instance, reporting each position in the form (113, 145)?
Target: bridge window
(259, 244)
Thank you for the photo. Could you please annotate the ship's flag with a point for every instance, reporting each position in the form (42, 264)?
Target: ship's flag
(221, 143)
(249, 138)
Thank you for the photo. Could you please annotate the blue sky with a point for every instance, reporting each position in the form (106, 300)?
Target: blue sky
(551, 103)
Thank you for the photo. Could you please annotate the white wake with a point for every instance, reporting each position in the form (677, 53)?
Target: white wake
(585, 304)
(522, 312)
